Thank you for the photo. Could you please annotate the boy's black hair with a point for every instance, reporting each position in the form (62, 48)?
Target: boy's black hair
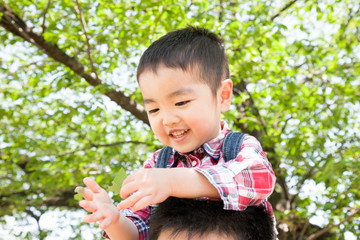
(200, 217)
(190, 49)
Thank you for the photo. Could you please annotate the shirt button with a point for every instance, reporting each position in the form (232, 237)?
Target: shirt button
(200, 150)
(194, 163)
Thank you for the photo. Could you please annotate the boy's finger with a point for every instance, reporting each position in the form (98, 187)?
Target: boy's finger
(105, 223)
(87, 194)
(131, 177)
(92, 185)
(127, 181)
(143, 203)
(94, 217)
(88, 206)
(128, 189)
(130, 201)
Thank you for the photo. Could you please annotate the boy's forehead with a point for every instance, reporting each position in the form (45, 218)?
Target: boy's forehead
(193, 72)
(172, 81)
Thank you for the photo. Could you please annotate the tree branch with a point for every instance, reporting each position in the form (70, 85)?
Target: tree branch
(351, 15)
(277, 198)
(33, 215)
(12, 23)
(221, 11)
(94, 144)
(307, 176)
(60, 199)
(303, 230)
(44, 17)
(283, 9)
(83, 24)
(328, 228)
(241, 88)
(100, 146)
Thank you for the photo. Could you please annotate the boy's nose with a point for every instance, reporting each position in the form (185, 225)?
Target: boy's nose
(169, 119)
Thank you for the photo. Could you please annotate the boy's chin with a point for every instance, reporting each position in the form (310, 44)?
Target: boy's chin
(185, 150)
(182, 151)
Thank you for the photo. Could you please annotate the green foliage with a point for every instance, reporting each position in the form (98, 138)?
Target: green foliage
(299, 66)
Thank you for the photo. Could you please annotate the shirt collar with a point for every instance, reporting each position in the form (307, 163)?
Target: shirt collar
(213, 147)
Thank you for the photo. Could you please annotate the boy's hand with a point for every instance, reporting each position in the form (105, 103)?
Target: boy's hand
(99, 203)
(144, 188)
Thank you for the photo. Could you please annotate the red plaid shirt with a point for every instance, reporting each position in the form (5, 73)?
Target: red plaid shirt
(244, 181)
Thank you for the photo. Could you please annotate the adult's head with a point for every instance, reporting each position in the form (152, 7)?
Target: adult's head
(191, 219)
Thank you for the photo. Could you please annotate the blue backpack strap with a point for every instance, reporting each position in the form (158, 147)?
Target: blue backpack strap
(163, 158)
(231, 148)
(232, 145)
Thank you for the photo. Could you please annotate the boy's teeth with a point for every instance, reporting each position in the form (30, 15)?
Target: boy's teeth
(178, 134)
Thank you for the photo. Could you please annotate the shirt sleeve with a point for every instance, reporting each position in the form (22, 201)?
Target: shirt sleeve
(244, 181)
(141, 220)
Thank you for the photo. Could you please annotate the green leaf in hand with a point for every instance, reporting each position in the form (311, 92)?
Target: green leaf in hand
(118, 180)
(79, 195)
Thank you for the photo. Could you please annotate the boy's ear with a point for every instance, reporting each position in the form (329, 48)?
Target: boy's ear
(226, 94)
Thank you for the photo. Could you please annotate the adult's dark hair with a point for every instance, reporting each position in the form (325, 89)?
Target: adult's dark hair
(199, 218)
(190, 49)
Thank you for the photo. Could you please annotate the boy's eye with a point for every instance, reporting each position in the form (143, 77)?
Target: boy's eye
(153, 110)
(182, 103)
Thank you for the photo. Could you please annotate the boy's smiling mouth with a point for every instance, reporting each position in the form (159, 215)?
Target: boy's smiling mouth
(178, 133)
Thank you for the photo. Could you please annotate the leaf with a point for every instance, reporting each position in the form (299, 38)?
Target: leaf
(118, 180)
(79, 195)
(78, 188)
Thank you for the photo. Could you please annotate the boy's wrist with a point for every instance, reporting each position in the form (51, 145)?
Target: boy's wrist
(122, 229)
(188, 183)
(114, 220)
(175, 178)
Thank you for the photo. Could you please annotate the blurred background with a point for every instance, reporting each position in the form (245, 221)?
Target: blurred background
(70, 106)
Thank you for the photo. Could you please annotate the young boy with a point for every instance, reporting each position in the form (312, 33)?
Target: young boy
(184, 81)
(178, 218)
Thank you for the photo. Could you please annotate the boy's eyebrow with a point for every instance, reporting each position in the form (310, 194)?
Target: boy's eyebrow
(148, 101)
(179, 92)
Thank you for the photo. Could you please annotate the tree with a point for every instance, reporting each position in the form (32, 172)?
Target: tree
(70, 106)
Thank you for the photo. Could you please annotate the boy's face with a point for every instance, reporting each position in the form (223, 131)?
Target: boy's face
(182, 110)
